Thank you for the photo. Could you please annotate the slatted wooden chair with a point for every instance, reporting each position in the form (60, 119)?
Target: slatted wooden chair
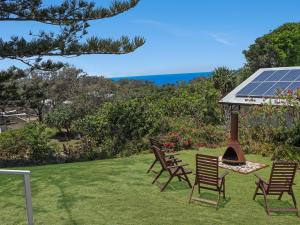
(174, 169)
(169, 153)
(207, 177)
(281, 181)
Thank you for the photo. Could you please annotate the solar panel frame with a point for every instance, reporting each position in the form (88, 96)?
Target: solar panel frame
(240, 94)
(265, 84)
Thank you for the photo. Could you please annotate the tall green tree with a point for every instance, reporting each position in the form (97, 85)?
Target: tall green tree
(64, 84)
(281, 47)
(71, 18)
(35, 92)
(9, 89)
(224, 80)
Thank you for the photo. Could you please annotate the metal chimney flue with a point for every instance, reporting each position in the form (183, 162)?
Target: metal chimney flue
(234, 153)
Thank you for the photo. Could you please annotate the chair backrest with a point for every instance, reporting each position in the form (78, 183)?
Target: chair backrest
(155, 142)
(207, 169)
(160, 156)
(160, 143)
(282, 177)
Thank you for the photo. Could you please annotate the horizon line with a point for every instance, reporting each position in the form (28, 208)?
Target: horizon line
(149, 75)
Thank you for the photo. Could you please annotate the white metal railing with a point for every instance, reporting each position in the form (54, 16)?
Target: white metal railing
(27, 190)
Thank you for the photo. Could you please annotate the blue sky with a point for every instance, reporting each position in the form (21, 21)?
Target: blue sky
(181, 35)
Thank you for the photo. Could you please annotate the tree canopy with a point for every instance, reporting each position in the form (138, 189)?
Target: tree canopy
(72, 20)
(224, 80)
(281, 47)
(9, 90)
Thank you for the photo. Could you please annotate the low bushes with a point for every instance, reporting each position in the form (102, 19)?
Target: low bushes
(272, 130)
(61, 118)
(191, 133)
(188, 115)
(120, 127)
(198, 100)
(29, 143)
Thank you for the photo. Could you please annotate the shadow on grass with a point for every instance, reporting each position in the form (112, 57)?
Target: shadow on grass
(65, 202)
(173, 186)
(275, 203)
(211, 197)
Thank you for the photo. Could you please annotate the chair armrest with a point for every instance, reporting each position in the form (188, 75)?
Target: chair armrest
(171, 153)
(177, 160)
(169, 157)
(173, 159)
(260, 178)
(175, 166)
(223, 175)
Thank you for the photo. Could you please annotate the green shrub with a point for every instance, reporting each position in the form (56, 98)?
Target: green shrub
(191, 133)
(198, 100)
(13, 145)
(120, 122)
(272, 130)
(61, 118)
(28, 143)
(212, 136)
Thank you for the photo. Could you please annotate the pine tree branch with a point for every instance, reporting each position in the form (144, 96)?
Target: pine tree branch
(20, 48)
(70, 11)
(72, 16)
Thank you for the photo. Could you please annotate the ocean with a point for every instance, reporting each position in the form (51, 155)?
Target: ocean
(163, 79)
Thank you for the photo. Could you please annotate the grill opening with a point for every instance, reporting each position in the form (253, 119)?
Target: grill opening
(230, 154)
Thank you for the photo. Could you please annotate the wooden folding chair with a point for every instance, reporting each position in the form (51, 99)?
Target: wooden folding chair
(281, 180)
(207, 177)
(174, 169)
(170, 154)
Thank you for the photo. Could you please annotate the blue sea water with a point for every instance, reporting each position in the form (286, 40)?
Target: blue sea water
(166, 78)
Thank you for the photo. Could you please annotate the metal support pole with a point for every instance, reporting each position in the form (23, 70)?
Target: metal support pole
(27, 191)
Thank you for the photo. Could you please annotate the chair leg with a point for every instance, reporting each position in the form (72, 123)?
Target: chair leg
(166, 184)
(256, 190)
(152, 165)
(186, 177)
(266, 203)
(224, 197)
(218, 201)
(191, 195)
(294, 201)
(179, 178)
(199, 188)
(157, 176)
(280, 196)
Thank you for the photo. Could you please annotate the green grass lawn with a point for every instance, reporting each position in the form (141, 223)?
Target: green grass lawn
(118, 191)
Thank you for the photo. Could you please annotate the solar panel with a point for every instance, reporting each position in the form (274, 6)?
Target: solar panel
(291, 76)
(261, 89)
(263, 76)
(277, 89)
(294, 86)
(276, 76)
(270, 83)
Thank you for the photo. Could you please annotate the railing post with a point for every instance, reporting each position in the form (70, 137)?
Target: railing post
(27, 191)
